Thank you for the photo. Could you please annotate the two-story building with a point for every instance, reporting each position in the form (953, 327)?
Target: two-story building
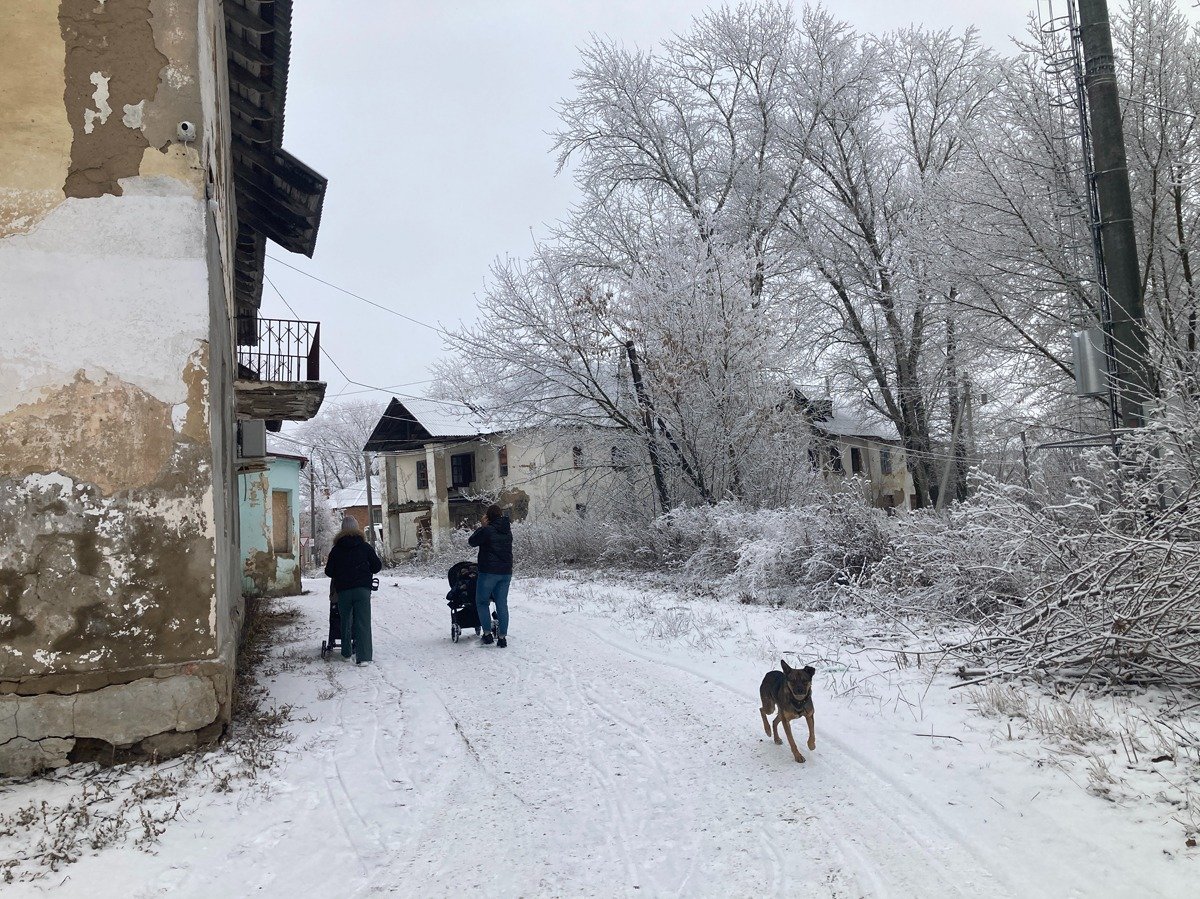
(441, 464)
(850, 446)
(141, 175)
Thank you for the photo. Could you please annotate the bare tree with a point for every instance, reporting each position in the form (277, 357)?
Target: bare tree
(334, 441)
(886, 136)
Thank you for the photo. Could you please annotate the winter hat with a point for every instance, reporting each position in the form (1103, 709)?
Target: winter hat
(350, 523)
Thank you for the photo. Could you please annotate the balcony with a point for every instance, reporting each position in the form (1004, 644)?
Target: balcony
(278, 369)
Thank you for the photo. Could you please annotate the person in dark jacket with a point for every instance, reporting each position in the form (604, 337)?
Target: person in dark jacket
(351, 564)
(494, 539)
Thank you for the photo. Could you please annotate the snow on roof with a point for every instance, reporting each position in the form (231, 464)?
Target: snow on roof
(844, 424)
(354, 495)
(442, 418)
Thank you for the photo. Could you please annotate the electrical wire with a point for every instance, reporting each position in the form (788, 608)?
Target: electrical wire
(930, 455)
(350, 293)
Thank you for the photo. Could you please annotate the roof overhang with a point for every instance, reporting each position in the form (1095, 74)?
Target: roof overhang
(278, 197)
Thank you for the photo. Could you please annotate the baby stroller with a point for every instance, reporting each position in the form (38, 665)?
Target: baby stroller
(461, 599)
(335, 623)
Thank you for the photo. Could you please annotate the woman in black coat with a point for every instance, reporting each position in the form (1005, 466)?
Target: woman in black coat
(351, 566)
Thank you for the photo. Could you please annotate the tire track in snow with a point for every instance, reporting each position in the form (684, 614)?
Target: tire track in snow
(342, 800)
(886, 814)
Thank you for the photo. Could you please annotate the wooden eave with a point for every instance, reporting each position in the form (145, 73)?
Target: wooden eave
(277, 196)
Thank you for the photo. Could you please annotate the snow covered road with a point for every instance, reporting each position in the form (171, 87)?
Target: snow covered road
(583, 761)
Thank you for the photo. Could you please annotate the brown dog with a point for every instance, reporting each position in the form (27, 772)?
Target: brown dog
(790, 692)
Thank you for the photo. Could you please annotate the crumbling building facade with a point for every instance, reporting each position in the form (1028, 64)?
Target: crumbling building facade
(141, 173)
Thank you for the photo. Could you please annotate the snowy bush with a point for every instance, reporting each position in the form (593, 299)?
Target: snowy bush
(1114, 571)
(977, 559)
(555, 542)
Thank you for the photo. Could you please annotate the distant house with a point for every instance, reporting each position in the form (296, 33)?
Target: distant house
(269, 509)
(352, 501)
(442, 463)
(850, 446)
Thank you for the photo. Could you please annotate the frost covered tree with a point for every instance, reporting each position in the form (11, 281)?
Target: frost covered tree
(768, 198)
(682, 359)
(890, 131)
(334, 441)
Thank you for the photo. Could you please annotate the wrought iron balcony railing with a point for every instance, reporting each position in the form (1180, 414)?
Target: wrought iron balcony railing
(282, 349)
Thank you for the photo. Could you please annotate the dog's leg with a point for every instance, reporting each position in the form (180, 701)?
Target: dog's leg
(764, 711)
(778, 718)
(787, 729)
(812, 734)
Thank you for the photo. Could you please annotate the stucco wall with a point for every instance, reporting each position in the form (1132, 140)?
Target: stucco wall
(894, 489)
(264, 573)
(541, 481)
(116, 574)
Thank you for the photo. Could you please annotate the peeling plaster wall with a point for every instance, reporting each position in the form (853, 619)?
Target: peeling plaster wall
(263, 572)
(540, 484)
(118, 537)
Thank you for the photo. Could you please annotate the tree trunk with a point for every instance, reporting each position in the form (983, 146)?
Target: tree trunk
(648, 416)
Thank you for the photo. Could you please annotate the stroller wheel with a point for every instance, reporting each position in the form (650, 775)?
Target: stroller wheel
(455, 630)
(324, 649)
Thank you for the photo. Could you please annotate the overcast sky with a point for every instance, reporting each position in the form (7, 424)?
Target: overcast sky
(430, 118)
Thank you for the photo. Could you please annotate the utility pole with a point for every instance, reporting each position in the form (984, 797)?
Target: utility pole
(370, 503)
(1128, 357)
(951, 458)
(312, 512)
(1025, 460)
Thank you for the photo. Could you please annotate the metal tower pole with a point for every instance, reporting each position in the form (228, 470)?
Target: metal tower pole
(1128, 362)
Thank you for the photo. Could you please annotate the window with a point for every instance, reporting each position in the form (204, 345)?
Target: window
(835, 458)
(462, 469)
(281, 522)
(502, 460)
(885, 460)
(577, 456)
(856, 460)
(422, 474)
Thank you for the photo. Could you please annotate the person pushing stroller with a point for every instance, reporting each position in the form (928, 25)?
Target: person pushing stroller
(494, 539)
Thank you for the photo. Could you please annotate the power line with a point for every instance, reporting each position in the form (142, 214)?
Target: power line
(323, 350)
(368, 387)
(387, 389)
(408, 318)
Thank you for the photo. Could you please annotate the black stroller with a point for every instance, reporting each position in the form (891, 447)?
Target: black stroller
(335, 623)
(461, 599)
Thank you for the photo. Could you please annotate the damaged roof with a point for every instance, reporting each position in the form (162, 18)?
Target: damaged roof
(277, 195)
(411, 424)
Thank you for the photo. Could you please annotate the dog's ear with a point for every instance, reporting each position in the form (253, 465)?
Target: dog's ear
(810, 670)
(783, 663)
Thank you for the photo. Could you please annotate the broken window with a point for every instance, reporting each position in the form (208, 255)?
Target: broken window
(502, 460)
(885, 460)
(577, 456)
(422, 474)
(856, 460)
(462, 469)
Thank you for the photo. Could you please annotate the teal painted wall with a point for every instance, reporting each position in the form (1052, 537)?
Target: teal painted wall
(265, 572)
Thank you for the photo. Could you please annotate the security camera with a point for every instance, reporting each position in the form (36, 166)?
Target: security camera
(186, 131)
